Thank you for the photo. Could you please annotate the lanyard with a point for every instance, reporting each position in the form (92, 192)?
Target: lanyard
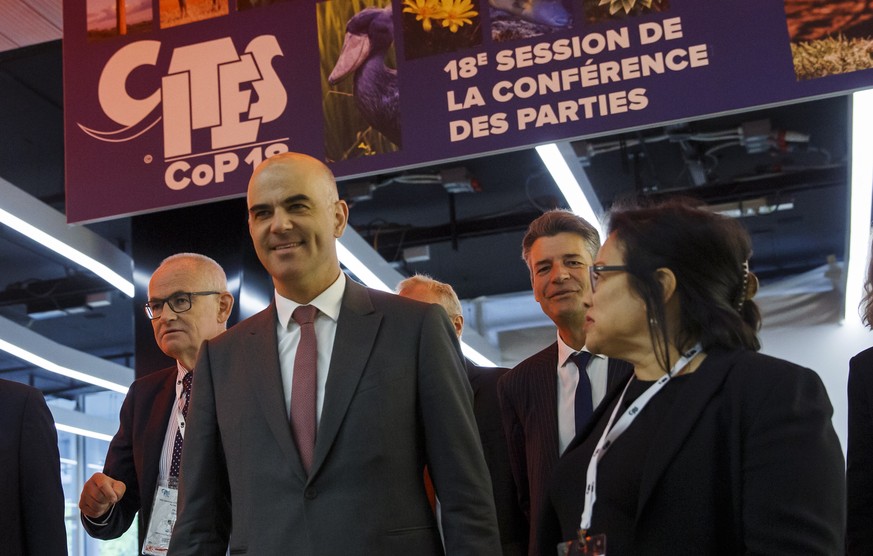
(611, 433)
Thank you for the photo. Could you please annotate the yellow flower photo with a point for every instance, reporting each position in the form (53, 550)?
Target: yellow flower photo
(436, 26)
(457, 13)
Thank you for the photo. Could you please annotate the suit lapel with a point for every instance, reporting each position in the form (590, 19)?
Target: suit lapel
(265, 379)
(548, 395)
(155, 430)
(356, 330)
(702, 386)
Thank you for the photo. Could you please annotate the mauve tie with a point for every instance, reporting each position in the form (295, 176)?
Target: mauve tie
(304, 385)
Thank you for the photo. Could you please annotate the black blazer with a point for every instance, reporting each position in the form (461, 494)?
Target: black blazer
(134, 455)
(746, 462)
(859, 474)
(529, 404)
(510, 519)
(31, 495)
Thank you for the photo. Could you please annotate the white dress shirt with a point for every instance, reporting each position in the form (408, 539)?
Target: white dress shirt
(568, 379)
(328, 304)
(176, 423)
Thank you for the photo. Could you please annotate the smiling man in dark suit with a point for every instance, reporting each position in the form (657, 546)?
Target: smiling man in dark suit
(188, 303)
(538, 397)
(312, 421)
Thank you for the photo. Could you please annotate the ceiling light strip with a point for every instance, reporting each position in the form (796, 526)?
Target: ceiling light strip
(365, 262)
(56, 358)
(34, 219)
(570, 177)
(82, 424)
(861, 197)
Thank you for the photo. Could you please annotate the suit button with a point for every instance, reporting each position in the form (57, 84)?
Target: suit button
(310, 493)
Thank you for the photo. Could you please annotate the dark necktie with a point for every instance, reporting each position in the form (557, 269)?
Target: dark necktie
(304, 385)
(177, 443)
(584, 404)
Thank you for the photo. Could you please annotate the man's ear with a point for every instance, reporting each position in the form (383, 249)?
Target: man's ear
(225, 306)
(458, 323)
(341, 218)
(667, 280)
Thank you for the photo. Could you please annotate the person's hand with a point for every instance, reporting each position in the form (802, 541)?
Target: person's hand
(99, 494)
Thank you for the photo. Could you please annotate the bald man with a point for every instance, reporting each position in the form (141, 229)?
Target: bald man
(188, 303)
(313, 419)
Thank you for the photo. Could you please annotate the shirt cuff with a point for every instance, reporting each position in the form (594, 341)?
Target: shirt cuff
(102, 521)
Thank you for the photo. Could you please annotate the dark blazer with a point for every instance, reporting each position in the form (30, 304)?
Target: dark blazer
(396, 398)
(510, 519)
(529, 402)
(745, 462)
(859, 473)
(31, 495)
(134, 455)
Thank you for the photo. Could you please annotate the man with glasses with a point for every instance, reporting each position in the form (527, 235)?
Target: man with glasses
(188, 303)
(547, 398)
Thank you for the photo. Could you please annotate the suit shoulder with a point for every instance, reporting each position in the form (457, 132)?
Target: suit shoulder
(157, 377)
(145, 387)
(862, 363)
(762, 363)
(263, 320)
(546, 356)
(548, 353)
(484, 375)
(387, 301)
(757, 373)
(543, 360)
(402, 311)
(17, 399)
(16, 390)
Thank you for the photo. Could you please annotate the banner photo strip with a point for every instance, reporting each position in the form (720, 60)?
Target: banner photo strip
(174, 102)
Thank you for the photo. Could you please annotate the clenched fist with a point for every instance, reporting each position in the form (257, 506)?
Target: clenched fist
(99, 494)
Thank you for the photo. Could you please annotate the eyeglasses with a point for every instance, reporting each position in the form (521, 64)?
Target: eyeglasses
(595, 270)
(178, 302)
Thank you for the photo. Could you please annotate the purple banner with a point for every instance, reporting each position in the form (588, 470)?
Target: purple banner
(173, 102)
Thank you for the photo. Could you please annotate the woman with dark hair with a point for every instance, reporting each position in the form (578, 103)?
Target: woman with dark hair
(710, 448)
(859, 473)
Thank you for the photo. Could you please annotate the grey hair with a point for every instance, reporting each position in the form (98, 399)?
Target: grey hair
(445, 293)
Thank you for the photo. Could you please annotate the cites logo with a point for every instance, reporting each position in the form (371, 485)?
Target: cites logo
(201, 90)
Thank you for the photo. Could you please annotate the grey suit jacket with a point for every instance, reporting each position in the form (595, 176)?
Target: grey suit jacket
(529, 406)
(396, 397)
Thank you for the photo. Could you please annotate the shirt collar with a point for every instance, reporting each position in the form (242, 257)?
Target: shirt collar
(180, 371)
(565, 351)
(327, 302)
